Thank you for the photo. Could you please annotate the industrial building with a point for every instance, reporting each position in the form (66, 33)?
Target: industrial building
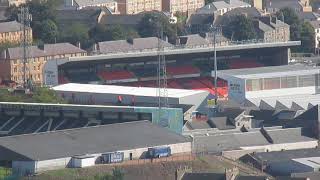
(196, 100)
(258, 83)
(83, 147)
(286, 163)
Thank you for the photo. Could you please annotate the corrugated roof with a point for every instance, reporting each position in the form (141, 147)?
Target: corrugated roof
(89, 140)
(271, 71)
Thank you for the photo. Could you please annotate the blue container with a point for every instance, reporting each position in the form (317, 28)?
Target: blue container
(159, 152)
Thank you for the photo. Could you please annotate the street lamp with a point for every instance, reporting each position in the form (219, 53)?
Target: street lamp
(215, 30)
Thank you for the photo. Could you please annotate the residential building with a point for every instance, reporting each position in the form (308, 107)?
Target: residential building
(137, 6)
(11, 32)
(218, 8)
(80, 4)
(12, 2)
(184, 6)
(270, 29)
(13, 65)
(316, 26)
(272, 6)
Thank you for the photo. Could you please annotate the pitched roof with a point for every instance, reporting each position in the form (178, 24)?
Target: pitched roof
(279, 4)
(217, 5)
(83, 3)
(136, 44)
(193, 40)
(248, 11)
(11, 26)
(61, 48)
(88, 16)
(17, 52)
(308, 16)
(89, 140)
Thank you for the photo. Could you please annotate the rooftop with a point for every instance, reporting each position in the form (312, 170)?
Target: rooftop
(61, 48)
(83, 3)
(124, 90)
(270, 71)
(11, 26)
(89, 140)
(287, 155)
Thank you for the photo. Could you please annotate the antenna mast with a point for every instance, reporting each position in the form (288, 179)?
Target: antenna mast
(25, 20)
(162, 77)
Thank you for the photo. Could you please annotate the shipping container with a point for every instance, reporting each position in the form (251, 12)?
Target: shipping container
(113, 157)
(159, 152)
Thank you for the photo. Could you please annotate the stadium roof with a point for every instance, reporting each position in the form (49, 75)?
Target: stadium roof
(270, 71)
(124, 90)
(89, 140)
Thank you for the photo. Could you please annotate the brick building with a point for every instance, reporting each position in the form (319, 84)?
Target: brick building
(11, 61)
(184, 6)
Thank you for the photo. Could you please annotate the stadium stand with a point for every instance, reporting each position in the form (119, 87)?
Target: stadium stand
(182, 70)
(83, 77)
(114, 75)
(144, 72)
(244, 63)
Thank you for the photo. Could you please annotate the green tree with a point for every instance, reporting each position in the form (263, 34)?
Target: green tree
(103, 33)
(46, 95)
(46, 30)
(151, 24)
(239, 28)
(307, 38)
(291, 18)
(74, 34)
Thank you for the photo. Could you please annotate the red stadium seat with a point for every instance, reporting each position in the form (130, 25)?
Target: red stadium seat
(116, 75)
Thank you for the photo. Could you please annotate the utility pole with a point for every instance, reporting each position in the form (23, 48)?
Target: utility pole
(25, 19)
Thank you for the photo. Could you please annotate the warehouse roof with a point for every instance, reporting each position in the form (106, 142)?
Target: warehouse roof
(89, 140)
(270, 71)
(124, 90)
(278, 156)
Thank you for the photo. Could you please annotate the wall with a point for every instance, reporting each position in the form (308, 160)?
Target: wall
(285, 146)
(281, 92)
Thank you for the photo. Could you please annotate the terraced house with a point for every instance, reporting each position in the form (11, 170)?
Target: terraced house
(11, 32)
(12, 65)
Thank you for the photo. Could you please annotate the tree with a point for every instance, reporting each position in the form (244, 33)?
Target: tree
(46, 30)
(307, 38)
(291, 18)
(116, 32)
(76, 33)
(239, 28)
(151, 24)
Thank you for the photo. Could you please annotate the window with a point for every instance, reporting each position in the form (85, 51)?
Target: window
(271, 83)
(254, 85)
(306, 80)
(289, 82)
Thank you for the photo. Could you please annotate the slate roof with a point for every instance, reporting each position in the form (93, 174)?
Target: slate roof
(198, 124)
(17, 52)
(290, 135)
(61, 48)
(135, 45)
(214, 6)
(222, 123)
(11, 26)
(87, 16)
(89, 140)
(279, 4)
(248, 11)
(308, 16)
(193, 40)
